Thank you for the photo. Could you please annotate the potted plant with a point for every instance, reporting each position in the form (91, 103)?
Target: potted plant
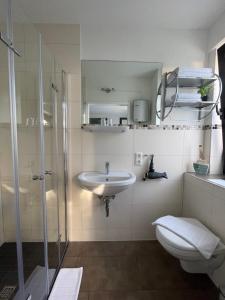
(204, 91)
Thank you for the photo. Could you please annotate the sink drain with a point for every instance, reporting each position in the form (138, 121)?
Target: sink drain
(7, 292)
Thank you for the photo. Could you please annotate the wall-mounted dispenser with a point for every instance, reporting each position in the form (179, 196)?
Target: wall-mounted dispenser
(140, 111)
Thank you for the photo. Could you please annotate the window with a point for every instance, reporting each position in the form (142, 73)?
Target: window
(221, 63)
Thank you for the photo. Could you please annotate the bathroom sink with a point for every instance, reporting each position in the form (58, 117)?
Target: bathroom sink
(103, 184)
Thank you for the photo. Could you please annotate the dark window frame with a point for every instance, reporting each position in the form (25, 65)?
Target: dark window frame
(221, 65)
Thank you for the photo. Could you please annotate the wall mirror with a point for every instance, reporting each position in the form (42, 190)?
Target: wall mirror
(119, 92)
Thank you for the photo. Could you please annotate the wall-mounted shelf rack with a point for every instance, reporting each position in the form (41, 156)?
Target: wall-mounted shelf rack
(197, 104)
(189, 82)
(100, 128)
(173, 80)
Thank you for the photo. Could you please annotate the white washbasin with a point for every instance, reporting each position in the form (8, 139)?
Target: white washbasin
(103, 184)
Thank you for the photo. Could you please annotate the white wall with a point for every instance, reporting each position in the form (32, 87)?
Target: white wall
(205, 201)
(217, 33)
(171, 47)
(132, 211)
(64, 43)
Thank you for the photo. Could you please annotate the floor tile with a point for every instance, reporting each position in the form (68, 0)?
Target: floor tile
(136, 270)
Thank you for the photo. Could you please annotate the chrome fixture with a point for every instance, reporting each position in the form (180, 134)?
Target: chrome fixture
(48, 172)
(107, 200)
(8, 42)
(37, 177)
(107, 168)
(107, 90)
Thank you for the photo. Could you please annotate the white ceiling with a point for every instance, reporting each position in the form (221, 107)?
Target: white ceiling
(176, 14)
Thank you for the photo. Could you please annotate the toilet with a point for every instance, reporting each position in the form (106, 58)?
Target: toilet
(190, 258)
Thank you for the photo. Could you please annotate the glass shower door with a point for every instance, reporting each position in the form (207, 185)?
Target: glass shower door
(9, 279)
(60, 125)
(55, 158)
(30, 154)
(50, 138)
(32, 161)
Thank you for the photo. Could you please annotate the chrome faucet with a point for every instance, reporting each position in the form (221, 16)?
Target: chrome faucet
(107, 168)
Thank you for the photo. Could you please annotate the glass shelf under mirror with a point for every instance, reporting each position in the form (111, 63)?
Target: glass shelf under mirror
(101, 128)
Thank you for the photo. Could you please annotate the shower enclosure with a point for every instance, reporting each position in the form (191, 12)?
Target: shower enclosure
(33, 219)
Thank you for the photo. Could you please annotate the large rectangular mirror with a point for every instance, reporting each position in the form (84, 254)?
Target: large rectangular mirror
(119, 92)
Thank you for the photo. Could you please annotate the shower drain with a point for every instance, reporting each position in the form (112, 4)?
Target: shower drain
(7, 292)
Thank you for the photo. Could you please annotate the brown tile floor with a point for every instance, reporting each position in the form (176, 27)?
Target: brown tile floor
(134, 271)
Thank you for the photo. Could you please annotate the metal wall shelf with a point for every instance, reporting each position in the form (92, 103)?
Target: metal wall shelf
(172, 80)
(199, 104)
(189, 82)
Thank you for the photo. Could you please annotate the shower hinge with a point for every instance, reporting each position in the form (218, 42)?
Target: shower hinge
(8, 43)
(48, 172)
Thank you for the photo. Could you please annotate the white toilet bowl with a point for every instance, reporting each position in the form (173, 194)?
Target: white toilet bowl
(190, 258)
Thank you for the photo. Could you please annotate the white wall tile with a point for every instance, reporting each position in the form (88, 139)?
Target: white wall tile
(206, 202)
(119, 234)
(76, 235)
(74, 88)
(97, 162)
(74, 141)
(74, 217)
(108, 143)
(67, 55)
(162, 142)
(217, 218)
(95, 235)
(192, 140)
(120, 211)
(74, 114)
(94, 218)
(74, 165)
(216, 142)
(60, 33)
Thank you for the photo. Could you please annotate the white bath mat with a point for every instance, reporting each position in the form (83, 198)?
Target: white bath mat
(67, 284)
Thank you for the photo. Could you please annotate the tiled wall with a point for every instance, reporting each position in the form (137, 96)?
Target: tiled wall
(133, 211)
(206, 202)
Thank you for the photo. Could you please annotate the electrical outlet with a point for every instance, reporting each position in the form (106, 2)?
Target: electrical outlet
(138, 158)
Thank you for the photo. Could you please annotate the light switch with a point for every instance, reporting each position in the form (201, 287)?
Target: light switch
(138, 158)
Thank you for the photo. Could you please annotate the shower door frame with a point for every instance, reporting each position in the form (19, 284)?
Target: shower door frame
(7, 39)
(14, 142)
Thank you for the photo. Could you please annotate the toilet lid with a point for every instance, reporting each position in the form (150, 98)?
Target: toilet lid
(177, 242)
(174, 240)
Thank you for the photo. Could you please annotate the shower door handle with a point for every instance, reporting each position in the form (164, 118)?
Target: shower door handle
(37, 177)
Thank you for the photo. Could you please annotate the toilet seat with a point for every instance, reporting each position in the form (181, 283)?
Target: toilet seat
(177, 246)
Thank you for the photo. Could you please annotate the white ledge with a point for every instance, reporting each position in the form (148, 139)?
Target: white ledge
(216, 180)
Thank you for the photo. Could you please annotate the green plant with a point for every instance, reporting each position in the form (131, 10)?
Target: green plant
(204, 90)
